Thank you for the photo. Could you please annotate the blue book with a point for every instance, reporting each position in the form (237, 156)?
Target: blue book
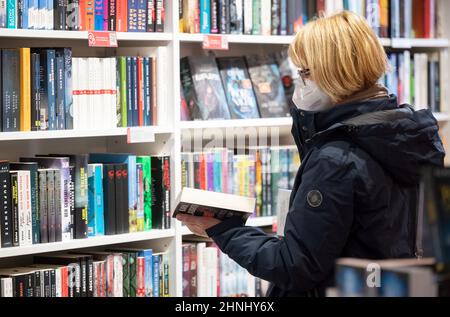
(148, 270)
(49, 24)
(218, 171)
(3, 14)
(129, 93)
(68, 103)
(11, 18)
(391, 77)
(395, 18)
(96, 224)
(98, 18)
(25, 15)
(51, 88)
(35, 91)
(60, 92)
(283, 17)
(10, 90)
(141, 12)
(205, 17)
(147, 92)
(33, 7)
(134, 92)
(155, 275)
(132, 16)
(130, 160)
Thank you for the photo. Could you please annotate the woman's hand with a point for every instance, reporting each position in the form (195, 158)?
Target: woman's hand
(198, 225)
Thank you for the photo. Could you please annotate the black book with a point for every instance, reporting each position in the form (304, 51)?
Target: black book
(10, 90)
(160, 15)
(109, 198)
(52, 282)
(151, 9)
(265, 76)
(15, 208)
(224, 16)
(214, 16)
(276, 17)
(111, 15)
(202, 87)
(47, 283)
(57, 213)
(51, 205)
(43, 205)
(38, 283)
(121, 188)
(74, 280)
(59, 14)
(80, 221)
(291, 16)
(158, 208)
(34, 187)
(19, 13)
(6, 224)
(35, 91)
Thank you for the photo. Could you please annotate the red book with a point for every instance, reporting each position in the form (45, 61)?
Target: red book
(90, 15)
(419, 17)
(197, 18)
(140, 86)
(82, 17)
(64, 281)
(428, 18)
(320, 7)
(121, 15)
(202, 171)
(140, 291)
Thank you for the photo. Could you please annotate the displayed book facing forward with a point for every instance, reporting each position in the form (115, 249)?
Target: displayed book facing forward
(203, 203)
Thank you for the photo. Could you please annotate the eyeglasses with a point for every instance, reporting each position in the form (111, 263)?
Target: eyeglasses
(304, 74)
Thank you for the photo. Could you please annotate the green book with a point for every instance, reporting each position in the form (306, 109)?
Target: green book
(123, 90)
(126, 274)
(256, 17)
(132, 261)
(147, 180)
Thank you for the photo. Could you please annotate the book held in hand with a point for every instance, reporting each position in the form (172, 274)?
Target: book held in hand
(203, 203)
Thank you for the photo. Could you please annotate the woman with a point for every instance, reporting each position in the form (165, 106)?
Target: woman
(356, 191)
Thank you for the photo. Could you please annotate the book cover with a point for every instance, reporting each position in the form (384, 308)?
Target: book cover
(141, 16)
(59, 14)
(112, 15)
(48, 90)
(147, 92)
(238, 88)
(11, 17)
(156, 288)
(140, 91)
(224, 15)
(15, 208)
(132, 15)
(151, 15)
(109, 189)
(147, 182)
(140, 198)
(205, 16)
(11, 90)
(105, 15)
(60, 91)
(95, 200)
(68, 98)
(90, 15)
(121, 14)
(265, 76)
(34, 196)
(25, 89)
(35, 92)
(43, 206)
(122, 211)
(6, 225)
(214, 16)
(134, 92)
(203, 88)
(248, 17)
(276, 17)
(160, 15)
(99, 15)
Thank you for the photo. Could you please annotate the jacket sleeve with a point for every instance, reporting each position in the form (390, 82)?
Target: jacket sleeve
(314, 236)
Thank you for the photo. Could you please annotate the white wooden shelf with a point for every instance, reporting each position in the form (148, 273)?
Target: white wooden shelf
(86, 243)
(82, 35)
(237, 123)
(146, 133)
(251, 222)
(287, 39)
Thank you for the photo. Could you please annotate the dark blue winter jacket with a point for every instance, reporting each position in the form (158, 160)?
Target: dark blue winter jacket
(355, 195)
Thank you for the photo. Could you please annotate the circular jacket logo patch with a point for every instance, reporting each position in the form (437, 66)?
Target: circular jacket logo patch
(314, 198)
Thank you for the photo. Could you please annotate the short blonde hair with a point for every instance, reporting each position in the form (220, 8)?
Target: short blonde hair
(342, 53)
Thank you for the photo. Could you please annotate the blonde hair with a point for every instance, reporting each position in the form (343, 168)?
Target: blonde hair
(342, 52)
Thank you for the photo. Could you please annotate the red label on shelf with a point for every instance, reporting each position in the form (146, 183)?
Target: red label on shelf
(102, 39)
(215, 42)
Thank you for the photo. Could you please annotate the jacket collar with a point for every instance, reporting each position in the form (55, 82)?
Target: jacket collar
(307, 125)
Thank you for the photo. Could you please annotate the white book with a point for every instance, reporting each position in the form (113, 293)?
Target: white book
(248, 17)
(198, 202)
(417, 81)
(58, 282)
(424, 79)
(407, 78)
(97, 103)
(2, 13)
(83, 86)
(113, 92)
(211, 262)
(6, 287)
(201, 273)
(118, 276)
(24, 210)
(75, 95)
(444, 73)
(266, 17)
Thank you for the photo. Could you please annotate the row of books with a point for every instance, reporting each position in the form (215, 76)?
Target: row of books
(82, 15)
(207, 272)
(259, 174)
(52, 198)
(120, 90)
(237, 87)
(121, 272)
(388, 18)
(48, 89)
(416, 79)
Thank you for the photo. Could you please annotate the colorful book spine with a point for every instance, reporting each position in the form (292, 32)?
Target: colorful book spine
(132, 15)
(256, 29)
(121, 15)
(156, 285)
(214, 16)
(11, 18)
(140, 198)
(6, 226)
(95, 200)
(140, 91)
(90, 15)
(141, 13)
(68, 102)
(25, 89)
(147, 92)
(129, 92)
(106, 15)
(112, 5)
(60, 92)
(205, 17)
(151, 15)
(99, 15)
(146, 179)
(160, 15)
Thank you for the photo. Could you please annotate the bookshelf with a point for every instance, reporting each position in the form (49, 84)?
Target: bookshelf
(163, 139)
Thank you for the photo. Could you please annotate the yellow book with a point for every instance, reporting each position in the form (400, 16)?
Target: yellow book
(25, 90)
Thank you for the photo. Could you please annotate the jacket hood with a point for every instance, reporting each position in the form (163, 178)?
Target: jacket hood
(400, 139)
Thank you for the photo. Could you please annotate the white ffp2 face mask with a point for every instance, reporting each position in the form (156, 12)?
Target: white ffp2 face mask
(309, 97)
